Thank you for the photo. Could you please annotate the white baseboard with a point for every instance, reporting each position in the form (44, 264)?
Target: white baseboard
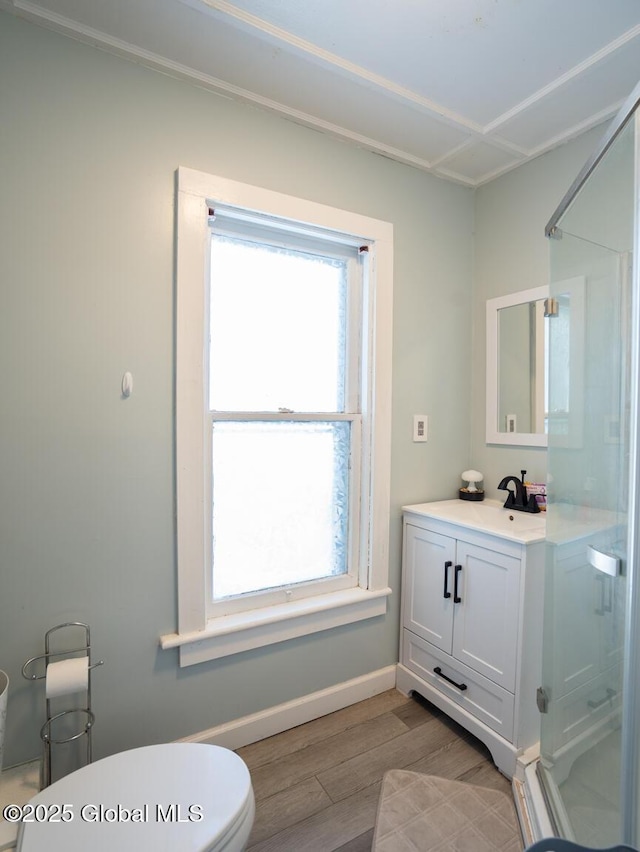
(274, 720)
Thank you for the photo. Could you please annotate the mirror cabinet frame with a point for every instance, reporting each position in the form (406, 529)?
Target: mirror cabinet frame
(522, 439)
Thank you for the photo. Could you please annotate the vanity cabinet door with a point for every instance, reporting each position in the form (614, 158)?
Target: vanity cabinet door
(429, 560)
(485, 633)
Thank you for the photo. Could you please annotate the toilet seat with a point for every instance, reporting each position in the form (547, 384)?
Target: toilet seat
(187, 796)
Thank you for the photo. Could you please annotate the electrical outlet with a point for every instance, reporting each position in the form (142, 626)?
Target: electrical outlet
(420, 427)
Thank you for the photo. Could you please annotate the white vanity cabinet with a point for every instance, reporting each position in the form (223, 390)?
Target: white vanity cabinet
(472, 588)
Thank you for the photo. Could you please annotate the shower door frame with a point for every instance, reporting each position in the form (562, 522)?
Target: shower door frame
(613, 131)
(630, 745)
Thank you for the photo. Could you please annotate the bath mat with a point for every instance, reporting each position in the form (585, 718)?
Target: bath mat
(423, 813)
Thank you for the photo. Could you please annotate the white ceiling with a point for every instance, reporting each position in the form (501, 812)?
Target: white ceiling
(465, 89)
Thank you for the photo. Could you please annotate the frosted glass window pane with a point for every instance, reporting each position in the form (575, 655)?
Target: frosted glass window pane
(278, 328)
(280, 503)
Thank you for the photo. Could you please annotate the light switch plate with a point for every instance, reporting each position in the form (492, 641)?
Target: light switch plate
(420, 427)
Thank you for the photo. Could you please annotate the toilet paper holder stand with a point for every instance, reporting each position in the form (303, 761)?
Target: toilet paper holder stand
(52, 719)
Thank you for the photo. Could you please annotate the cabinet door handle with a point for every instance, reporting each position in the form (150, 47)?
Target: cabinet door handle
(606, 584)
(460, 686)
(611, 694)
(447, 593)
(456, 596)
(600, 578)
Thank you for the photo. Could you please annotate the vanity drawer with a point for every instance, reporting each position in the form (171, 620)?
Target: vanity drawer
(481, 697)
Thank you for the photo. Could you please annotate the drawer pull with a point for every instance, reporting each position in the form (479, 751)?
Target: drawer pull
(611, 694)
(460, 686)
(456, 596)
(447, 593)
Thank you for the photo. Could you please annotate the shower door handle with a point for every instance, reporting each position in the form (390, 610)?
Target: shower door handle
(605, 562)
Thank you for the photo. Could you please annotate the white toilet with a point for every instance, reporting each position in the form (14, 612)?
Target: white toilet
(176, 796)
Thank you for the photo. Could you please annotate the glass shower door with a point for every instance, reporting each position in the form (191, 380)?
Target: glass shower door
(586, 576)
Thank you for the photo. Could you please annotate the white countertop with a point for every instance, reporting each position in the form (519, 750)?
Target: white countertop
(562, 523)
(488, 516)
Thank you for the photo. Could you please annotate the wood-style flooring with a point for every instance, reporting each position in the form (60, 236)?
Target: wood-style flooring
(317, 785)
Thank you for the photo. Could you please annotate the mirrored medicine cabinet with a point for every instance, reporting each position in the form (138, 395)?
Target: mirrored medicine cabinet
(515, 368)
(519, 411)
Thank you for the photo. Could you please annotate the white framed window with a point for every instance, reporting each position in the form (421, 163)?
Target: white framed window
(283, 403)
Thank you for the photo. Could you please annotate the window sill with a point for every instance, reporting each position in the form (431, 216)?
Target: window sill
(244, 631)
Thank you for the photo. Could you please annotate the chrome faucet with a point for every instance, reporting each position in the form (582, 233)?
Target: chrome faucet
(518, 499)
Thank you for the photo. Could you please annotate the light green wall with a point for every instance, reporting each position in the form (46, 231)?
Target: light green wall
(89, 144)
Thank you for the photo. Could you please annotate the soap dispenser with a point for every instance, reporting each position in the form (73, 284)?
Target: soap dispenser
(471, 491)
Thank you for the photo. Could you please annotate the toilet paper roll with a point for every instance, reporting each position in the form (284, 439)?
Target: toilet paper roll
(67, 676)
